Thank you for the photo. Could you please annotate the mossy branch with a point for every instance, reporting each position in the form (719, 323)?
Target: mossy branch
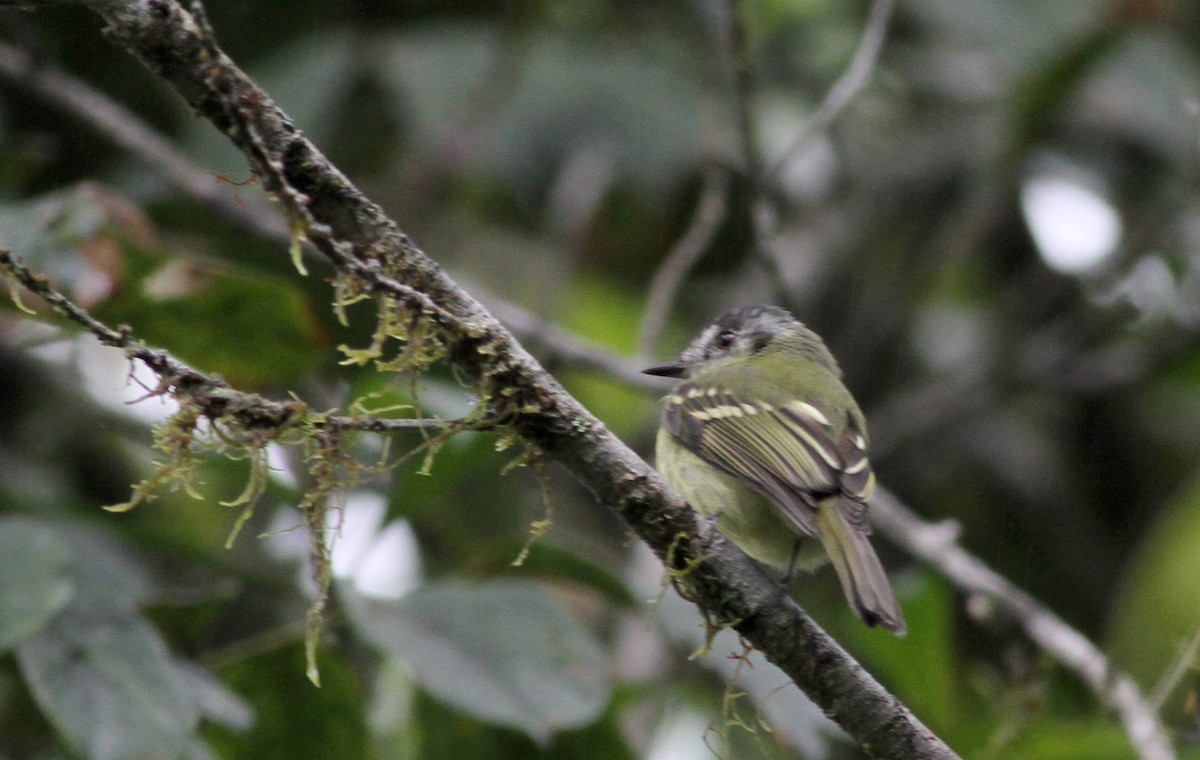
(372, 256)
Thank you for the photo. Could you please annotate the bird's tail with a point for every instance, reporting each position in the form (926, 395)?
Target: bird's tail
(862, 577)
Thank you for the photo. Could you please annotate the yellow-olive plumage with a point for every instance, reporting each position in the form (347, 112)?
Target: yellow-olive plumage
(764, 435)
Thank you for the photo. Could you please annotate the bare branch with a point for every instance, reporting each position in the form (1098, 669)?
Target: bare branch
(1174, 675)
(936, 546)
(133, 135)
(763, 212)
(849, 84)
(710, 212)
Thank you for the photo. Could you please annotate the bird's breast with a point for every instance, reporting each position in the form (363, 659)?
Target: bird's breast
(747, 518)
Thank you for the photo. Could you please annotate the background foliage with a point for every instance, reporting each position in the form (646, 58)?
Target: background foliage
(1029, 370)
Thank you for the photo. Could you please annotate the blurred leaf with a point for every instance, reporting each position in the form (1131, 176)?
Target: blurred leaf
(394, 731)
(292, 718)
(108, 684)
(1097, 739)
(1157, 607)
(537, 99)
(102, 252)
(1016, 34)
(1144, 89)
(603, 311)
(252, 329)
(464, 474)
(1040, 95)
(48, 228)
(36, 583)
(98, 671)
(215, 702)
(108, 577)
(501, 650)
(921, 667)
(74, 235)
(448, 734)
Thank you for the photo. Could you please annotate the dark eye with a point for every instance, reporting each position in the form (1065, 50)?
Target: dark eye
(724, 339)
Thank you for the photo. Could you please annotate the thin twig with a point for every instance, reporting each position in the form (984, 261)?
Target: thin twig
(763, 213)
(936, 546)
(384, 425)
(849, 84)
(213, 395)
(1185, 662)
(710, 212)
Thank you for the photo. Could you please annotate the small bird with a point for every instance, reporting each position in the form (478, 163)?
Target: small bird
(765, 438)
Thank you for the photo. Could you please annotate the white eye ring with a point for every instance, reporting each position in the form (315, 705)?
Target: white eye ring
(724, 339)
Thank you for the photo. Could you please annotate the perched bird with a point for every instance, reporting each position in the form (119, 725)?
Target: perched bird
(764, 436)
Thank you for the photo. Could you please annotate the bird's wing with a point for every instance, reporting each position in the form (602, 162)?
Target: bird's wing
(791, 451)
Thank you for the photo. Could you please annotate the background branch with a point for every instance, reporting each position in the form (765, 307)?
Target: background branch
(848, 85)
(710, 213)
(121, 126)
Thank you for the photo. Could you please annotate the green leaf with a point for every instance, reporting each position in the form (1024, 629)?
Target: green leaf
(443, 733)
(35, 585)
(1098, 739)
(501, 650)
(88, 234)
(1157, 608)
(636, 107)
(49, 566)
(199, 312)
(109, 686)
(602, 311)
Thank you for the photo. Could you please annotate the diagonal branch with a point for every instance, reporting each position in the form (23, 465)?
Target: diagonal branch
(130, 133)
(848, 85)
(366, 246)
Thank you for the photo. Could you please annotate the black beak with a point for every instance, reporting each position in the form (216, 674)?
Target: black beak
(674, 369)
